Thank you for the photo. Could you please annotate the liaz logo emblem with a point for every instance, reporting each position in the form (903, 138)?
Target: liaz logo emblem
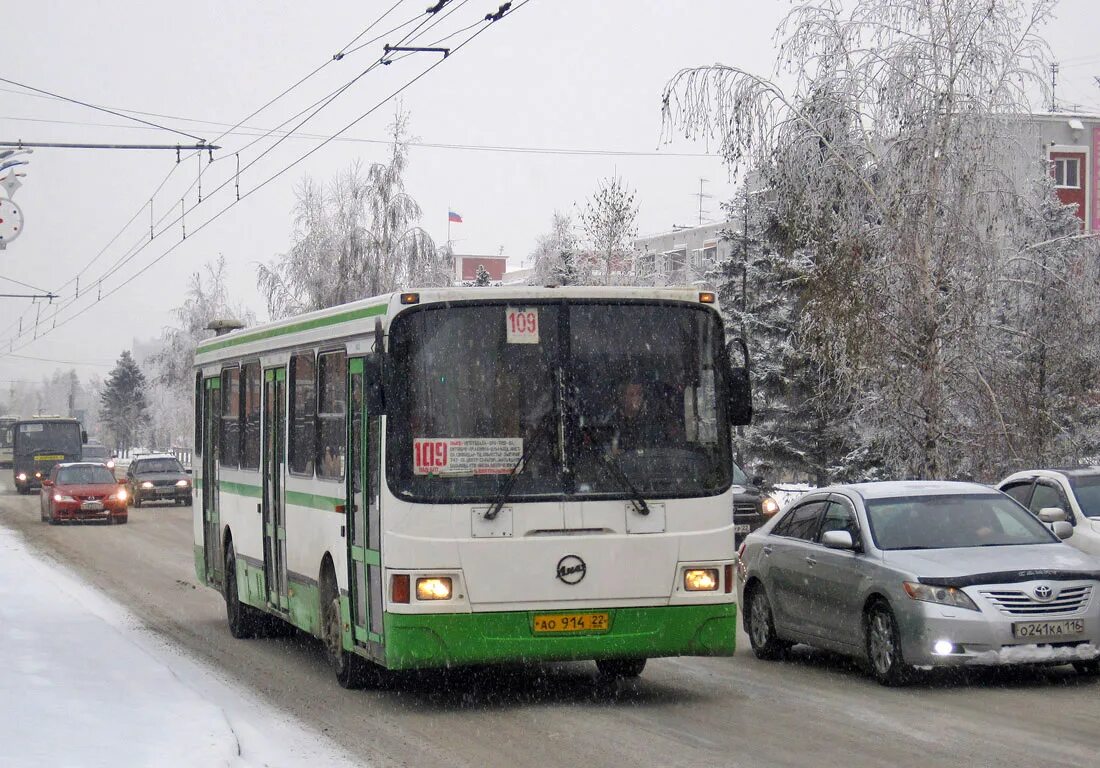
(1043, 592)
(571, 569)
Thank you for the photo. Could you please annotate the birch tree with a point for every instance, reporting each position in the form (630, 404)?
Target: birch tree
(355, 238)
(557, 256)
(608, 222)
(889, 154)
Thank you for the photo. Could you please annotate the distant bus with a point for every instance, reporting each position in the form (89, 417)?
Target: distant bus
(464, 476)
(40, 443)
(6, 423)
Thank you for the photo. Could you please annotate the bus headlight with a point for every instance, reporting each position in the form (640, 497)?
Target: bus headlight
(21, 477)
(434, 588)
(701, 579)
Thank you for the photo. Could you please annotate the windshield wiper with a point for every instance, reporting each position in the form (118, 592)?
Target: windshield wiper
(616, 471)
(510, 481)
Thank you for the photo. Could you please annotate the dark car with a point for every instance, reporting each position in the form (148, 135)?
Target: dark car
(751, 506)
(158, 477)
(98, 453)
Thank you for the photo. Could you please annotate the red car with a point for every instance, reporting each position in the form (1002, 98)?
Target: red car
(83, 491)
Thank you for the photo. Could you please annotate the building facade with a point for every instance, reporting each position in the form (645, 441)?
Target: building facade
(1071, 144)
(682, 256)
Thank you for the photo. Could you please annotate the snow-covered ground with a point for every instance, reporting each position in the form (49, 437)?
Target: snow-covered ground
(83, 684)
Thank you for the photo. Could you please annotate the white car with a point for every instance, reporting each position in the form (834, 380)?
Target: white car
(1074, 491)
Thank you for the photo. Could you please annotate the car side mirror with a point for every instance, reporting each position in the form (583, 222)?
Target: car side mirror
(47, 483)
(838, 540)
(757, 480)
(1052, 514)
(188, 470)
(1062, 529)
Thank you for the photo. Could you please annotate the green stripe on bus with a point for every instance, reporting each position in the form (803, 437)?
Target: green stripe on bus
(269, 375)
(312, 500)
(305, 325)
(355, 365)
(297, 498)
(215, 383)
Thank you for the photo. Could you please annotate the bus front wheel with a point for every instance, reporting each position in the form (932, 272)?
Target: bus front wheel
(352, 671)
(244, 620)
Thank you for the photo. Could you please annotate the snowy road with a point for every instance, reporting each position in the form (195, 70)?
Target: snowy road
(815, 709)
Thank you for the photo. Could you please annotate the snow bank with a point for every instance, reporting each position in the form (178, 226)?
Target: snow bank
(82, 684)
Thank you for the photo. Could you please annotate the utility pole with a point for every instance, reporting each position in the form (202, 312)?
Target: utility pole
(1053, 84)
(701, 197)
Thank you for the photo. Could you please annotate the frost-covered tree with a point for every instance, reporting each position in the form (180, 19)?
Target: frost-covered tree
(894, 142)
(356, 238)
(171, 373)
(123, 409)
(557, 256)
(608, 222)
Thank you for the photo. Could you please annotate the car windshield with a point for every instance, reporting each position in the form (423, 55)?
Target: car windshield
(953, 521)
(1087, 490)
(149, 466)
(97, 475)
(739, 477)
(601, 396)
(96, 452)
(47, 436)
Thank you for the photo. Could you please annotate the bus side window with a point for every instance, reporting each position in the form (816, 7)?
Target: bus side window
(332, 377)
(303, 415)
(198, 414)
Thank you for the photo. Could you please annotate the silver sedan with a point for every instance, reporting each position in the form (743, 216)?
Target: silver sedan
(920, 574)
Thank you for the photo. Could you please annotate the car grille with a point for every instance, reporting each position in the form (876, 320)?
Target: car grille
(1014, 602)
(163, 483)
(745, 508)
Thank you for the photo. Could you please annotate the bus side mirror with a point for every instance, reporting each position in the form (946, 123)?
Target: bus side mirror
(83, 436)
(739, 407)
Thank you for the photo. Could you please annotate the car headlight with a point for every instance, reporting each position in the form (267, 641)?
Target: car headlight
(434, 588)
(63, 498)
(122, 495)
(182, 483)
(927, 593)
(769, 506)
(110, 464)
(701, 579)
(146, 484)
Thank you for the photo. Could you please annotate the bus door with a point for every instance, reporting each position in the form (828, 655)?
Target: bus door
(274, 509)
(211, 520)
(363, 513)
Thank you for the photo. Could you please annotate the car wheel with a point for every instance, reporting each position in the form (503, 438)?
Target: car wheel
(884, 646)
(119, 520)
(1087, 668)
(135, 500)
(352, 671)
(765, 643)
(243, 619)
(620, 667)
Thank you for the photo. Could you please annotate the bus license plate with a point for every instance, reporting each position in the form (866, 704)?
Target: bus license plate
(558, 623)
(1048, 628)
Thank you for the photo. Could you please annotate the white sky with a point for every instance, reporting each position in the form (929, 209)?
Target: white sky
(559, 73)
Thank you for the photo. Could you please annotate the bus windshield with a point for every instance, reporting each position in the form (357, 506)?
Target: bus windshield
(61, 437)
(597, 397)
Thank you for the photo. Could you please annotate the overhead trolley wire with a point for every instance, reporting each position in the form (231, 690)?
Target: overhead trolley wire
(283, 170)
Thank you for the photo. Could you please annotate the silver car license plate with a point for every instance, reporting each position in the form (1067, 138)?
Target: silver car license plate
(1048, 629)
(165, 491)
(92, 506)
(741, 527)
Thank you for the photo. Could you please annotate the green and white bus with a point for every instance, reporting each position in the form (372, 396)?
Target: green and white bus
(7, 440)
(464, 476)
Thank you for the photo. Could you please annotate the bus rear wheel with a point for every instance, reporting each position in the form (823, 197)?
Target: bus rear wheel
(352, 671)
(620, 667)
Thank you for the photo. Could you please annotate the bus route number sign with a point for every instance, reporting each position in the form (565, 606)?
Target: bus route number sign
(522, 325)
